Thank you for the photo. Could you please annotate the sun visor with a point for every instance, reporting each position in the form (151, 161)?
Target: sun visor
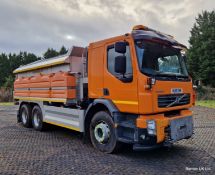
(157, 36)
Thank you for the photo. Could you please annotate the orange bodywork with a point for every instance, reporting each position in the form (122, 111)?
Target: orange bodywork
(161, 122)
(63, 86)
(21, 87)
(148, 98)
(123, 95)
(58, 85)
(95, 71)
(39, 86)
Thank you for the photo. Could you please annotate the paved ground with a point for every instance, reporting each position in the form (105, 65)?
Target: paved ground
(61, 151)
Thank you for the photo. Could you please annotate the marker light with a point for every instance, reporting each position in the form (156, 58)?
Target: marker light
(140, 27)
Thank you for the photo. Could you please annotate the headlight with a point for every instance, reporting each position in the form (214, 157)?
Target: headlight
(151, 127)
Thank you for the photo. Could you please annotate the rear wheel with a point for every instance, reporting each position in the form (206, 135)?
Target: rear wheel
(37, 118)
(25, 115)
(102, 133)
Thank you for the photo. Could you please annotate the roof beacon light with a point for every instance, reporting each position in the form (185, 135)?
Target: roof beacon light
(140, 27)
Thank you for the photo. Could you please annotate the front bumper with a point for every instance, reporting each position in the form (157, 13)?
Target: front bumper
(168, 130)
(173, 127)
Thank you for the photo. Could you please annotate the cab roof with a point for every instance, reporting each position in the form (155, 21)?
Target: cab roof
(143, 32)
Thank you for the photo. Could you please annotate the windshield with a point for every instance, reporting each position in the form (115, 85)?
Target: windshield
(160, 60)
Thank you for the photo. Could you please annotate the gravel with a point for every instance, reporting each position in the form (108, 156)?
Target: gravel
(62, 151)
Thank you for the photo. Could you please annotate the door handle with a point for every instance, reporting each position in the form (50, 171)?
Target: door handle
(106, 91)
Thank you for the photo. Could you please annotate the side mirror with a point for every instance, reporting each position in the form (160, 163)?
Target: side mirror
(196, 84)
(120, 64)
(120, 47)
(184, 57)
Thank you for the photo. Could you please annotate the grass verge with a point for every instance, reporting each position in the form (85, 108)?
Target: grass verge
(6, 103)
(206, 103)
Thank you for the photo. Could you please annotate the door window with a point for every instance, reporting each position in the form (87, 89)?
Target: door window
(111, 54)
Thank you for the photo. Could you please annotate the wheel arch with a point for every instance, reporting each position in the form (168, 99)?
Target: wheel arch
(96, 106)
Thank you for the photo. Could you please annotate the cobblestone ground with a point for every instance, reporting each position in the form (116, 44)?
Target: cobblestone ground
(61, 151)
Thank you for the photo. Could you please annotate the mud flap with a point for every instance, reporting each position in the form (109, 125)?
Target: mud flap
(18, 117)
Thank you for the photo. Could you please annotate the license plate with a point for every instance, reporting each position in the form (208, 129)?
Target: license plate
(181, 128)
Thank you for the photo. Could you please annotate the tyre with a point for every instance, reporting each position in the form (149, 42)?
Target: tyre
(25, 115)
(37, 119)
(102, 133)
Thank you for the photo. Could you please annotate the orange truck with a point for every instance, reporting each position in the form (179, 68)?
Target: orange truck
(132, 89)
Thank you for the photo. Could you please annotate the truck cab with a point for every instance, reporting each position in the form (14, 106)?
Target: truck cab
(145, 76)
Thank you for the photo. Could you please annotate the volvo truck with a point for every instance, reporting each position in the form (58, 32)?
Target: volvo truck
(133, 89)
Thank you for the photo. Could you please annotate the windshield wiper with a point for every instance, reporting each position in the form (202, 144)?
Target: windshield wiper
(162, 75)
(171, 75)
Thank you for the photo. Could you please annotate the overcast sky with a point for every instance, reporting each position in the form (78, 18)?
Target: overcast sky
(35, 25)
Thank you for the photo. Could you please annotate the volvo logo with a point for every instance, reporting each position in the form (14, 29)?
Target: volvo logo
(177, 100)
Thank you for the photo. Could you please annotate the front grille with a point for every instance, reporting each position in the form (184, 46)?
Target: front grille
(173, 100)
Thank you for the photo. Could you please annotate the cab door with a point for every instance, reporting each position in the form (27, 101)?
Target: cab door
(122, 91)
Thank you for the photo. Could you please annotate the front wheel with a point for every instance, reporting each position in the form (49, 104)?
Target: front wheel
(102, 133)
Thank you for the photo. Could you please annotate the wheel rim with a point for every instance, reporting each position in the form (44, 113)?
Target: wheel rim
(102, 132)
(24, 117)
(36, 119)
